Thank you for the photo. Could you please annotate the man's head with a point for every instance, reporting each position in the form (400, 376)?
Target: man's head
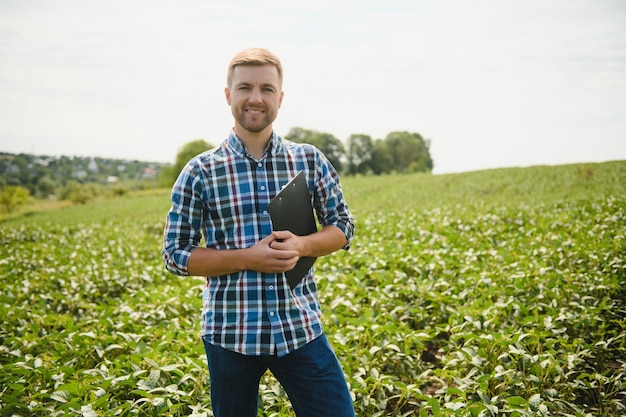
(254, 56)
(254, 92)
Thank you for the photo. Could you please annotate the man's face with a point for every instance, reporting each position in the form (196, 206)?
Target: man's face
(254, 97)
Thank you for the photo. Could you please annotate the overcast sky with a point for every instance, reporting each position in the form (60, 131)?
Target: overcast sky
(492, 83)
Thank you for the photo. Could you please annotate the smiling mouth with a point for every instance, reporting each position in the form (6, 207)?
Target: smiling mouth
(255, 111)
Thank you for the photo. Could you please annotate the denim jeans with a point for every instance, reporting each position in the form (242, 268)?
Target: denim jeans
(311, 377)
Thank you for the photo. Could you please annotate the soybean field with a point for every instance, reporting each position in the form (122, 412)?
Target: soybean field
(487, 293)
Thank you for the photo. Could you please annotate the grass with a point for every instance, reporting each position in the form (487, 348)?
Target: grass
(496, 292)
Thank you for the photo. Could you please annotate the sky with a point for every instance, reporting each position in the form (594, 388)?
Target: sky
(491, 83)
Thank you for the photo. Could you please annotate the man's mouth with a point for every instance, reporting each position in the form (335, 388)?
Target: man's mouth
(255, 111)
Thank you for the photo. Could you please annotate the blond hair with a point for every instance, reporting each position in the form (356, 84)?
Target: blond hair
(254, 56)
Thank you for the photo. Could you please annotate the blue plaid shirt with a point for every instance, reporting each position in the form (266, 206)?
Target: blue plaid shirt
(222, 195)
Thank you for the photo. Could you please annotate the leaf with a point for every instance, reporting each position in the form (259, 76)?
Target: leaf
(535, 402)
(169, 368)
(454, 405)
(516, 401)
(392, 346)
(71, 388)
(433, 403)
(374, 349)
(87, 411)
(455, 391)
(60, 396)
(484, 398)
(151, 362)
(493, 409)
(112, 347)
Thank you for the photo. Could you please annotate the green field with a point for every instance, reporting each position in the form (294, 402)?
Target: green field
(499, 292)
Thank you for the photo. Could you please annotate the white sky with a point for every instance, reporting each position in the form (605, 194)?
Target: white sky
(492, 83)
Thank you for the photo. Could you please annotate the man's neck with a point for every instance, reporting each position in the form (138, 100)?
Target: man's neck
(255, 143)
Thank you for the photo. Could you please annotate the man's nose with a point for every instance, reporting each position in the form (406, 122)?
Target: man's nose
(255, 95)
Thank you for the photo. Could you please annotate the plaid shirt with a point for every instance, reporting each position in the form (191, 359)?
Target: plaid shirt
(222, 194)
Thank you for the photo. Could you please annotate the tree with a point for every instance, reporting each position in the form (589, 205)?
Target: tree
(185, 154)
(45, 186)
(300, 135)
(382, 160)
(77, 193)
(360, 149)
(13, 196)
(409, 152)
(330, 146)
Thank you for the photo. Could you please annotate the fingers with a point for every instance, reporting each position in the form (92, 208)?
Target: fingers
(283, 265)
(279, 261)
(284, 240)
(282, 234)
(267, 256)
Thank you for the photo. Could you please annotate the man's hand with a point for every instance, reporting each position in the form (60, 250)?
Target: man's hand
(273, 254)
(320, 243)
(287, 241)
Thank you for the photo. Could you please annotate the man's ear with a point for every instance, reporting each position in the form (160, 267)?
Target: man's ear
(227, 94)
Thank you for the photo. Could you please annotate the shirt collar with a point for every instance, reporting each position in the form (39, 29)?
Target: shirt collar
(275, 144)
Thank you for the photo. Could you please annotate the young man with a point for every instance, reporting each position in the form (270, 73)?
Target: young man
(252, 320)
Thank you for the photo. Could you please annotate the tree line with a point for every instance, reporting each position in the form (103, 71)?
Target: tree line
(398, 152)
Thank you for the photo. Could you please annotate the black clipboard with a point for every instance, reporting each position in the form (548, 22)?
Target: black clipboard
(291, 209)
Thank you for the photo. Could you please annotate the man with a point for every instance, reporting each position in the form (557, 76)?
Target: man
(251, 320)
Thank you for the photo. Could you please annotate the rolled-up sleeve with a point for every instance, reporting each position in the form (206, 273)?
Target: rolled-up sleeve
(183, 223)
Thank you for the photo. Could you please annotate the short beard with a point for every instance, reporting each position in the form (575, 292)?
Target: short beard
(255, 127)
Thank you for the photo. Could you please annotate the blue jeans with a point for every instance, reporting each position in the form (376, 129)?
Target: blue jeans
(311, 376)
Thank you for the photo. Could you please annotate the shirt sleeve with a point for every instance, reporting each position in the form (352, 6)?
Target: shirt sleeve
(183, 224)
(329, 201)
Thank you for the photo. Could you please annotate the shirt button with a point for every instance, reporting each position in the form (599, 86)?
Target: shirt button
(263, 188)
(265, 212)
(260, 165)
(271, 287)
(271, 313)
